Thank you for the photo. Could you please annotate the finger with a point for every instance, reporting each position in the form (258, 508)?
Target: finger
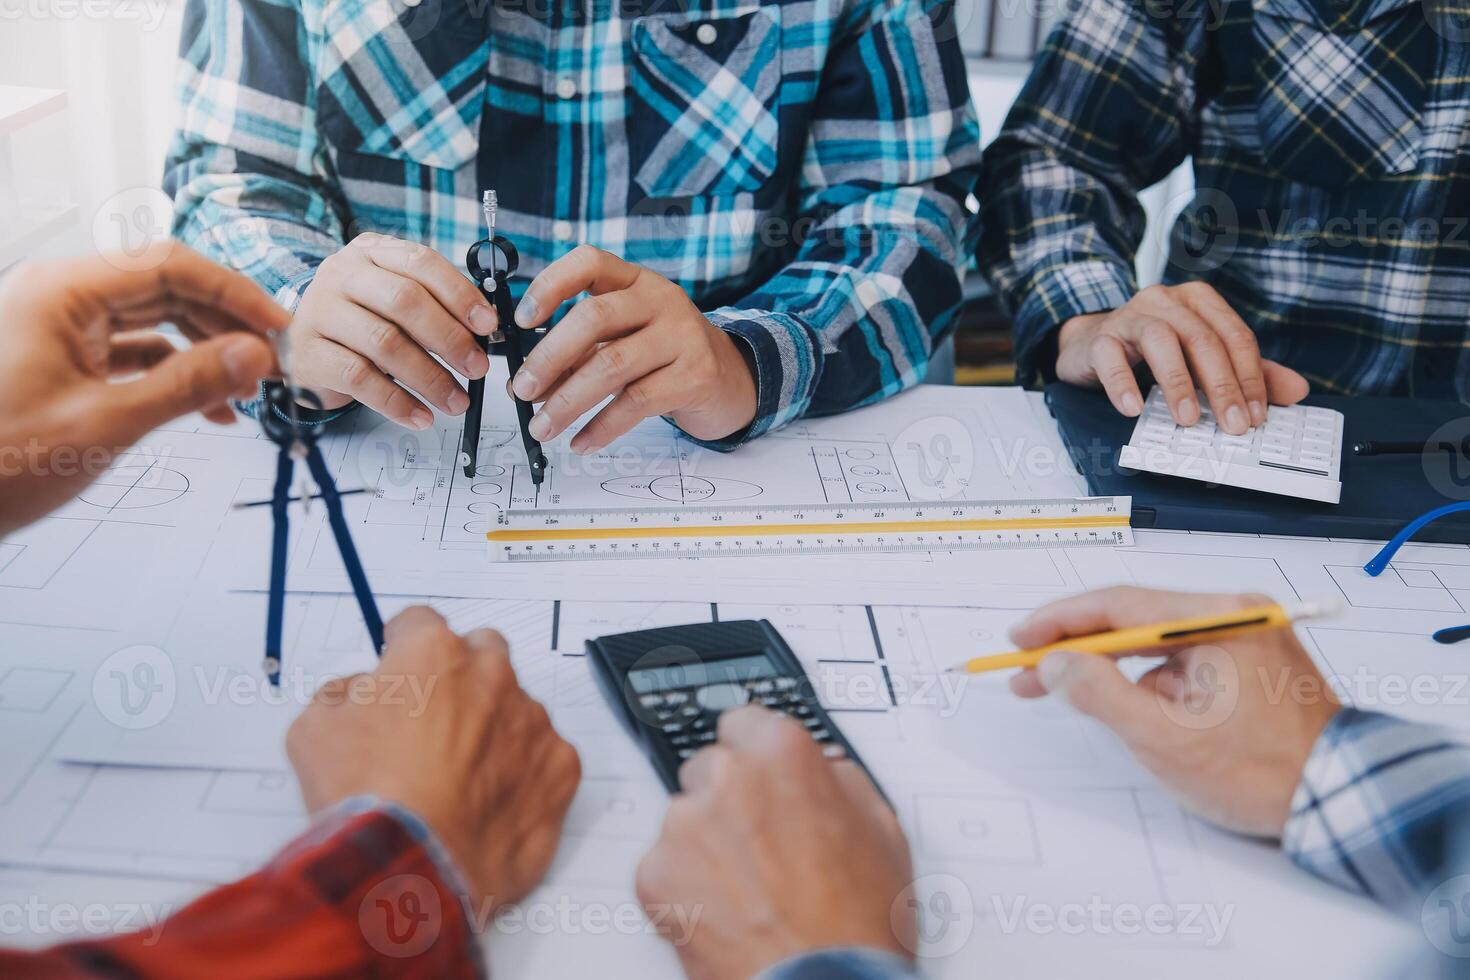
(649, 396)
(614, 368)
(583, 269)
(175, 274)
(1283, 385)
(393, 353)
(203, 376)
(1116, 608)
(1110, 363)
(405, 303)
(1025, 684)
(595, 320)
(1240, 344)
(771, 734)
(407, 634)
(352, 374)
(697, 772)
(454, 293)
(1095, 687)
(131, 353)
(1214, 372)
(1160, 346)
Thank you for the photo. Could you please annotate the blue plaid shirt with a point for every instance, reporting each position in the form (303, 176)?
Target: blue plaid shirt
(1329, 147)
(800, 169)
(1382, 808)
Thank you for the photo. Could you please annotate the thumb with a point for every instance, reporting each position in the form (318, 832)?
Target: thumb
(206, 374)
(1094, 686)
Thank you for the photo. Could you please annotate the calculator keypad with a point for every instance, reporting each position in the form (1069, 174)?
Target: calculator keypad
(689, 726)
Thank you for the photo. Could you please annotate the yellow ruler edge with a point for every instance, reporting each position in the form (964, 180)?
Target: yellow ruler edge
(511, 535)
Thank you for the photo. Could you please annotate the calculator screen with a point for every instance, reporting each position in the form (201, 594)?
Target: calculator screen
(698, 674)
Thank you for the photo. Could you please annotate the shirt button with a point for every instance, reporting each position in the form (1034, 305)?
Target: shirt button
(566, 88)
(562, 230)
(706, 34)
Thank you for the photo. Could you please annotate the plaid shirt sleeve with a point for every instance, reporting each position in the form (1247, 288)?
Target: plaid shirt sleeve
(365, 892)
(1380, 805)
(892, 154)
(252, 186)
(1101, 117)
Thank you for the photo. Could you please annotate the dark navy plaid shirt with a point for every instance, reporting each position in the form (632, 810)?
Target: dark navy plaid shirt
(799, 168)
(1331, 157)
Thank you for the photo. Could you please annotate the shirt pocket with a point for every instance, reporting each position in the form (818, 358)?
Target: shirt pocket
(403, 82)
(704, 103)
(1340, 87)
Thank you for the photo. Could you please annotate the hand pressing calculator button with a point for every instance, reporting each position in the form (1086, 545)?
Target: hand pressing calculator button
(704, 669)
(1297, 453)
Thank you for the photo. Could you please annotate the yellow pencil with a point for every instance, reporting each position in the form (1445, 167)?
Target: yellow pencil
(1178, 633)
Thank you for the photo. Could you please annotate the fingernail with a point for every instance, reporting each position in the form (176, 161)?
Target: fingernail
(1131, 404)
(1052, 667)
(1258, 413)
(1235, 420)
(524, 385)
(1185, 409)
(458, 401)
(241, 358)
(526, 311)
(475, 366)
(540, 427)
(420, 419)
(483, 320)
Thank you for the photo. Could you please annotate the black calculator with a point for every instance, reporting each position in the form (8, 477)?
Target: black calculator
(669, 686)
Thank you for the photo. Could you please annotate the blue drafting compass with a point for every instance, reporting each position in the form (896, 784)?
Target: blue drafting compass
(280, 417)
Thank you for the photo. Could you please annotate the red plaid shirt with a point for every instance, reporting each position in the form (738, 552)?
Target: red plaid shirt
(365, 892)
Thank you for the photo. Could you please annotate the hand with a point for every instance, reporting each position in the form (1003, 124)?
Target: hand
(372, 316)
(1227, 727)
(443, 729)
(636, 336)
(1190, 339)
(780, 850)
(72, 327)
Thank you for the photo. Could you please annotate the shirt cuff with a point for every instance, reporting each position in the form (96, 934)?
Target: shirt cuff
(787, 362)
(843, 963)
(1057, 295)
(1378, 805)
(289, 296)
(383, 871)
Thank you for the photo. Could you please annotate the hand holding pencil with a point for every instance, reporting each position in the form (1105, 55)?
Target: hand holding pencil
(1226, 723)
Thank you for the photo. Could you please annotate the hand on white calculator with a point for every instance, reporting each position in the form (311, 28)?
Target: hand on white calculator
(1297, 452)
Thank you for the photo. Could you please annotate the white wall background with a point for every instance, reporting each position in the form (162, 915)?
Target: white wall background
(115, 59)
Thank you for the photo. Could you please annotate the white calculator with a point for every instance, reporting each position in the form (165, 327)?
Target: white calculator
(1297, 453)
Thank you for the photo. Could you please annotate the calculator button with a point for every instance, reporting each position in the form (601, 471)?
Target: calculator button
(679, 741)
(651, 700)
(718, 697)
(690, 711)
(821, 735)
(762, 687)
(812, 723)
(786, 683)
(672, 727)
(663, 714)
(802, 711)
(687, 753)
(675, 698)
(699, 724)
(833, 751)
(774, 701)
(705, 738)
